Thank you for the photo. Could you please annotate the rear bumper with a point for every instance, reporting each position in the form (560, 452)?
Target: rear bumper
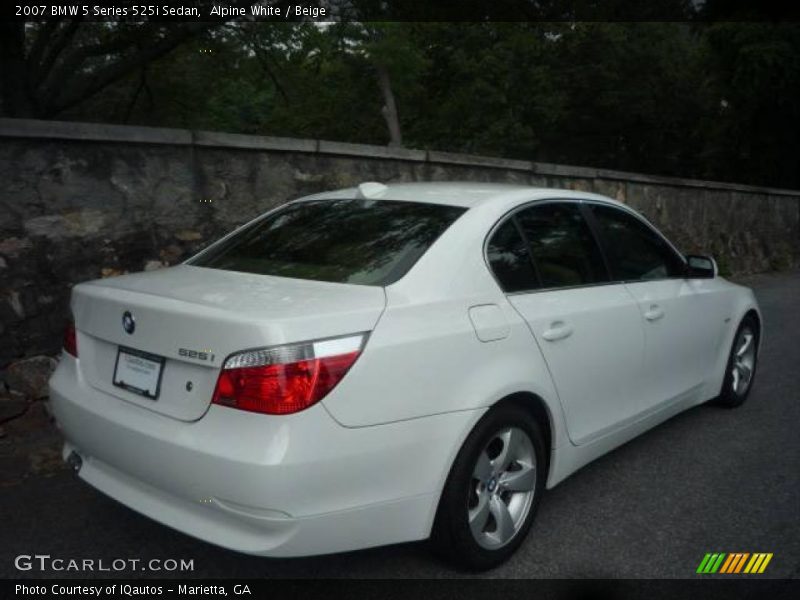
(275, 486)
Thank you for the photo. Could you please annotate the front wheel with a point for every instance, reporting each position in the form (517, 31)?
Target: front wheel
(741, 367)
(493, 490)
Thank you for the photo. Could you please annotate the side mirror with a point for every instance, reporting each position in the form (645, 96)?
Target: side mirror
(701, 267)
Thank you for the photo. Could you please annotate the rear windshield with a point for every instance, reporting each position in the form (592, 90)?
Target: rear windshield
(367, 242)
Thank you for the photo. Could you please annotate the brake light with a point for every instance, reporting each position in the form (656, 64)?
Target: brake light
(70, 340)
(286, 379)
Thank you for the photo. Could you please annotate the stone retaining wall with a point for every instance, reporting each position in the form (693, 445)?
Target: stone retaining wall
(80, 201)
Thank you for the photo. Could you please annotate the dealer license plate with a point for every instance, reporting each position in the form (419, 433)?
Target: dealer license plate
(138, 372)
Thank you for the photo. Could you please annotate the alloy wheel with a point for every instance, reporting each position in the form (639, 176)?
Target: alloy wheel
(744, 360)
(502, 488)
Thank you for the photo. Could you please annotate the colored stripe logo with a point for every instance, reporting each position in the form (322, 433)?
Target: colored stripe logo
(734, 562)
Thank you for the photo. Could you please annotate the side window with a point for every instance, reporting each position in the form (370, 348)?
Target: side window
(634, 251)
(510, 260)
(562, 245)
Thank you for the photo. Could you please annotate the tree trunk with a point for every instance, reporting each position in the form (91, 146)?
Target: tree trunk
(389, 109)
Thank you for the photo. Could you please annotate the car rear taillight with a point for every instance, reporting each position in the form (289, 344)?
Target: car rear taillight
(70, 340)
(286, 379)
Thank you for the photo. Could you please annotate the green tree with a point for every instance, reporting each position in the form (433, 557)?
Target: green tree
(754, 134)
(47, 68)
(712, 100)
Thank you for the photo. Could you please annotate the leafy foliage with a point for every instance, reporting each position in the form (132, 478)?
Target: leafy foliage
(711, 100)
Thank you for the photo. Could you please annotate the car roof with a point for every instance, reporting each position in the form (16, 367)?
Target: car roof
(455, 193)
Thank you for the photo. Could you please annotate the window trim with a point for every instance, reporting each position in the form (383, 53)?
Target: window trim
(583, 208)
(536, 275)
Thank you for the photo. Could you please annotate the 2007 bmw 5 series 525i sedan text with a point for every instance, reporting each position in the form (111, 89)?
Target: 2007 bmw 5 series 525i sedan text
(391, 363)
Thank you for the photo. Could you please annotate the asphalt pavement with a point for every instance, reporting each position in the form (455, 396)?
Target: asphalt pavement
(708, 480)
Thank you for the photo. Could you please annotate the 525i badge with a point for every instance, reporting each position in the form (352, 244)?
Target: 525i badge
(198, 354)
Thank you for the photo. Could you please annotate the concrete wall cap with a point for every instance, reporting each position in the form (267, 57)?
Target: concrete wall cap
(370, 151)
(96, 132)
(253, 142)
(455, 158)
(102, 132)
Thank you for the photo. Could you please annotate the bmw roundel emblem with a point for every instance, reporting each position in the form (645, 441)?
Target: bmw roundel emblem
(128, 322)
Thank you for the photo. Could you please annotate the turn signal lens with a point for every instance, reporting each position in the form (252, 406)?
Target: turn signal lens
(70, 340)
(286, 379)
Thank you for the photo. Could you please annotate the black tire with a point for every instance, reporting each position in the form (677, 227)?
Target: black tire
(452, 537)
(729, 397)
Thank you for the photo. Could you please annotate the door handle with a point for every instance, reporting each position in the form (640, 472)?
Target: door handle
(558, 331)
(654, 313)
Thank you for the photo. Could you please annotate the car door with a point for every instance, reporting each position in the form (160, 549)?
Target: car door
(681, 322)
(589, 331)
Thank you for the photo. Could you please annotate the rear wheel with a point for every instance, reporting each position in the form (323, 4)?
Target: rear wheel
(493, 490)
(742, 362)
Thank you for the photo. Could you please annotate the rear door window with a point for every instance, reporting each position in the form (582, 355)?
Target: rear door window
(367, 242)
(563, 247)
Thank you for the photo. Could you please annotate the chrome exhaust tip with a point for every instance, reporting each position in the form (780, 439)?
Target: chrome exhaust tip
(75, 461)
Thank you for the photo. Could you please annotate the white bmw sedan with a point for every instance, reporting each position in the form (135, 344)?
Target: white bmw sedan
(392, 363)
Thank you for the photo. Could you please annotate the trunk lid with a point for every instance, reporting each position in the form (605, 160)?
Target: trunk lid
(195, 317)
